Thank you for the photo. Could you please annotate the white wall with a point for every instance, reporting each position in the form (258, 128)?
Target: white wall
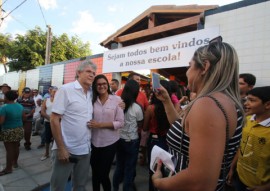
(32, 78)
(1, 79)
(12, 79)
(58, 75)
(248, 30)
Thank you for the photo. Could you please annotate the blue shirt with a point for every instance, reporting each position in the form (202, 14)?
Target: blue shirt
(13, 115)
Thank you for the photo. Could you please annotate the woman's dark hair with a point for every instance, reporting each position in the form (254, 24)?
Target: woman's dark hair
(175, 88)
(11, 95)
(160, 114)
(94, 86)
(130, 93)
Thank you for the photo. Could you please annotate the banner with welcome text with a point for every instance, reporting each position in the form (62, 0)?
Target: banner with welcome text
(170, 52)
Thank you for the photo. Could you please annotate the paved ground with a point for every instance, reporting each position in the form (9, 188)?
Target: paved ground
(33, 174)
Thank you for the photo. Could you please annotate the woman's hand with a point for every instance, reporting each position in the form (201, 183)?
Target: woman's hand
(93, 124)
(230, 177)
(183, 99)
(162, 94)
(158, 174)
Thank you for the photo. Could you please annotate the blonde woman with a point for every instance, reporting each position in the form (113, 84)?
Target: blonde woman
(206, 136)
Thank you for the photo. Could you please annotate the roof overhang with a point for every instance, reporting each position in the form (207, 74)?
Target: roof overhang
(158, 20)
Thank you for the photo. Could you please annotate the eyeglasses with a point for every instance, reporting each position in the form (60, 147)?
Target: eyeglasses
(102, 84)
(217, 39)
(212, 47)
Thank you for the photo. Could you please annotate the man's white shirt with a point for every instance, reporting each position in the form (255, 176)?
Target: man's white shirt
(76, 110)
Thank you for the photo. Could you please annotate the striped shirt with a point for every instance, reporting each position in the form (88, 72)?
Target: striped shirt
(174, 136)
(28, 105)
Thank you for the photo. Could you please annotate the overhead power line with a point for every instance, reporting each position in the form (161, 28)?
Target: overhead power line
(22, 23)
(14, 18)
(3, 3)
(42, 13)
(67, 47)
(13, 10)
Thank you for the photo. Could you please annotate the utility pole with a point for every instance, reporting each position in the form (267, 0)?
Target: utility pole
(48, 45)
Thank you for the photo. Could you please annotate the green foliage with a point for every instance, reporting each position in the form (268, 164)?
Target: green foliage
(64, 48)
(5, 44)
(27, 51)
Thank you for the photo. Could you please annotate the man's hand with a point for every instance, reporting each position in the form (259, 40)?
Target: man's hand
(63, 155)
(122, 105)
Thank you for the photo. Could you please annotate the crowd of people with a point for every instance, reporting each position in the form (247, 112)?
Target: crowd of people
(219, 134)
(20, 117)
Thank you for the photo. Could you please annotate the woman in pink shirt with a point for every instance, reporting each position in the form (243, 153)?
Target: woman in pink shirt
(108, 117)
(175, 91)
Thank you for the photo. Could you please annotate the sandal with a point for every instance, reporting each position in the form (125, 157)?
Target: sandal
(4, 172)
(44, 157)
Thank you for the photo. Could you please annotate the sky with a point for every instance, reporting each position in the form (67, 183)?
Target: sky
(90, 20)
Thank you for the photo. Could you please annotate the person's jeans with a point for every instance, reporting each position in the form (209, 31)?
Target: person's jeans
(238, 184)
(43, 137)
(61, 172)
(152, 141)
(27, 126)
(48, 132)
(126, 160)
(101, 162)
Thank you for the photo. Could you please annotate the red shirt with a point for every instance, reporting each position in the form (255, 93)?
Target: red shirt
(153, 126)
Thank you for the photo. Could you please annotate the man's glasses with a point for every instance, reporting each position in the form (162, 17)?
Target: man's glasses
(212, 47)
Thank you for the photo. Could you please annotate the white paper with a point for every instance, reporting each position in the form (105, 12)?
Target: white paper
(167, 159)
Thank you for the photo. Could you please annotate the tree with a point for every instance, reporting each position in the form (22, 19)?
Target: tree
(5, 44)
(64, 48)
(28, 51)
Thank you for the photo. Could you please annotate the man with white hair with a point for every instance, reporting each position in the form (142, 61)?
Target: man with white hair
(72, 109)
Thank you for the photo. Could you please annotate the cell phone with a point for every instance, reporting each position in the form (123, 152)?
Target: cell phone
(155, 81)
(73, 159)
(165, 170)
